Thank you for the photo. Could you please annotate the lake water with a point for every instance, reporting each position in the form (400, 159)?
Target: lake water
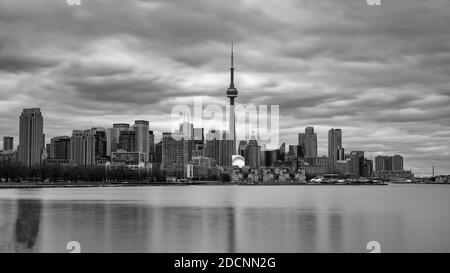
(402, 218)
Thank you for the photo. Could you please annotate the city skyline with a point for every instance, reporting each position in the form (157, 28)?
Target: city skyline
(89, 148)
(389, 101)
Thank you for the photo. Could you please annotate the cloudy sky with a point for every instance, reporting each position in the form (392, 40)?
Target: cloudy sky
(379, 73)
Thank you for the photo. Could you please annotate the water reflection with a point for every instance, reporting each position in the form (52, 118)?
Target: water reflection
(229, 221)
(27, 224)
(19, 225)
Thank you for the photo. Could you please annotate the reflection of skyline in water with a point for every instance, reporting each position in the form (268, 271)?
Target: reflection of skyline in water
(234, 223)
(27, 223)
(20, 234)
(129, 228)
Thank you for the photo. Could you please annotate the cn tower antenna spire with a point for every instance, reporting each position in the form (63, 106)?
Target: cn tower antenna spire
(232, 55)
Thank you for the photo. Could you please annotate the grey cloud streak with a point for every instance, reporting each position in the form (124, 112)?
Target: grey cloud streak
(379, 73)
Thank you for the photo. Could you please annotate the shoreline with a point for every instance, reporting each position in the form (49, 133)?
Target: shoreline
(27, 185)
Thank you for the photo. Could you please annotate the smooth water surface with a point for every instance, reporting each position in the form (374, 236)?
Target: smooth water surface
(403, 218)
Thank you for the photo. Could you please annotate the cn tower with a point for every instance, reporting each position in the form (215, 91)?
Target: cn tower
(232, 94)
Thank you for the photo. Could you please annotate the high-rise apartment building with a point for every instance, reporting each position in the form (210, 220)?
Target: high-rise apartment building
(379, 163)
(397, 162)
(334, 143)
(82, 147)
(220, 147)
(141, 129)
(151, 146)
(308, 142)
(31, 138)
(388, 163)
(301, 145)
(176, 153)
(101, 143)
(356, 163)
(112, 137)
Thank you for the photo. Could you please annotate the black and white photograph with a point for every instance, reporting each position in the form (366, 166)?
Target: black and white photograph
(232, 127)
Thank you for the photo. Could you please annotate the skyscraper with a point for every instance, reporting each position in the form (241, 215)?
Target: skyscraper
(8, 143)
(232, 93)
(176, 153)
(356, 164)
(252, 151)
(334, 143)
(219, 147)
(100, 145)
(112, 136)
(308, 142)
(301, 145)
(31, 137)
(151, 146)
(397, 162)
(141, 128)
(379, 163)
(388, 163)
(341, 153)
(82, 150)
(368, 168)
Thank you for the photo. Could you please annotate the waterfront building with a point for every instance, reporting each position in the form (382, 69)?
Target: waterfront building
(141, 130)
(151, 146)
(100, 145)
(82, 148)
(301, 145)
(379, 163)
(368, 168)
(397, 163)
(356, 164)
(112, 136)
(388, 163)
(308, 142)
(176, 154)
(334, 144)
(31, 137)
(341, 153)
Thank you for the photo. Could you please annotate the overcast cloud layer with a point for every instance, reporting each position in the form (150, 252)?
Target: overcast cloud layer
(379, 73)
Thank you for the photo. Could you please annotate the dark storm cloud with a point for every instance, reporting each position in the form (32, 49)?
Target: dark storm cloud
(379, 73)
